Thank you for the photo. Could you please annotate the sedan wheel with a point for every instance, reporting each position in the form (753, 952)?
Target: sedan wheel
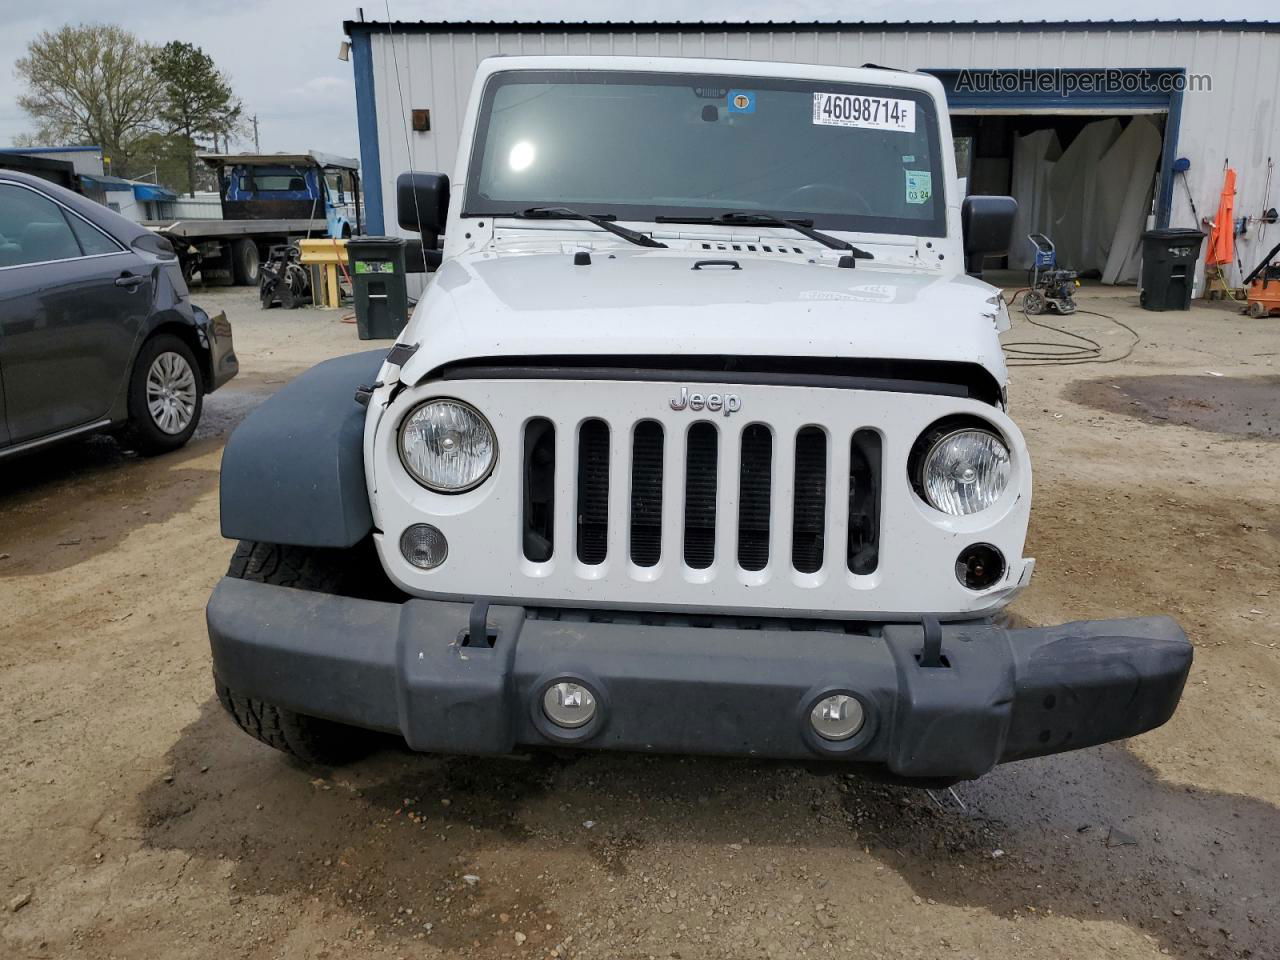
(171, 392)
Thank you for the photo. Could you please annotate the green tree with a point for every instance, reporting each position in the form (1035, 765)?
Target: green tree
(167, 155)
(197, 98)
(90, 84)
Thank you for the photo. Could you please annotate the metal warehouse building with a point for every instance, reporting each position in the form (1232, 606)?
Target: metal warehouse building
(1082, 121)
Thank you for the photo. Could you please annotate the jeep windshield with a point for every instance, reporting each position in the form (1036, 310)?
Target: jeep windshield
(643, 146)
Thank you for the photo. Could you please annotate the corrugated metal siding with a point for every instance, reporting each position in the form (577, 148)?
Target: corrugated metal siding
(1237, 122)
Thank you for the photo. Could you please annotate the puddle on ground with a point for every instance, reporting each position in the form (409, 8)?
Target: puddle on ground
(1094, 835)
(392, 839)
(1238, 406)
(76, 500)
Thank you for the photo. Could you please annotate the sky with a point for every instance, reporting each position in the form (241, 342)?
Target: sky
(282, 55)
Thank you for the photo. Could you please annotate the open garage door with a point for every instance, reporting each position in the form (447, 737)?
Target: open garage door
(1087, 154)
(1087, 183)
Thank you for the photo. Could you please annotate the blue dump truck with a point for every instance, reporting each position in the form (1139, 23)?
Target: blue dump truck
(267, 199)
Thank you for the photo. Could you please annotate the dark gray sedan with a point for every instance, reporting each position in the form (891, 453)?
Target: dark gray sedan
(97, 329)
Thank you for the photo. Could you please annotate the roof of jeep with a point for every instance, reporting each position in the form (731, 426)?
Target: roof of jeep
(869, 74)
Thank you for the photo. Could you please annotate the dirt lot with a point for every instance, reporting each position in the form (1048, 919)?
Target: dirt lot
(135, 821)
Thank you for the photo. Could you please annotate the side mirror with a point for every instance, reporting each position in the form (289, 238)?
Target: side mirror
(987, 224)
(422, 204)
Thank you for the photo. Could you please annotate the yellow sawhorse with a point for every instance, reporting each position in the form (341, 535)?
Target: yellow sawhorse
(325, 256)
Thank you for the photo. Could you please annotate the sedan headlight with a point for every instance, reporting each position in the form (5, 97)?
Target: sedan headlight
(962, 470)
(447, 446)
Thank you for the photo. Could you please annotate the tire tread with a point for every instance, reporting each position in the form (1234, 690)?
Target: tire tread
(308, 739)
(354, 572)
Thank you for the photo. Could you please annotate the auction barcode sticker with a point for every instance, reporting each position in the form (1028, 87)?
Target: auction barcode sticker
(875, 113)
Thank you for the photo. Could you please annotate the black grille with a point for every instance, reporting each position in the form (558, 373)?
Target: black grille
(593, 491)
(701, 464)
(863, 550)
(539, 489)
(810, 511)
(646, 494)
(755, 485)
(696, 504)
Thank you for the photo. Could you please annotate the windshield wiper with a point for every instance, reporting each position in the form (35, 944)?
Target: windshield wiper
(564, 213)
(752, 218)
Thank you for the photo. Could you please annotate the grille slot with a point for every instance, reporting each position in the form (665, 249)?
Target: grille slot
(593, 491)
(539, 489)
(755, 484)
(700, 481)
(646, 493)
(809, 513)
(863, 548)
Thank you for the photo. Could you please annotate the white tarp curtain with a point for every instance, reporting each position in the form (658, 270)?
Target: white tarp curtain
(1091, 199)
(1034, 157)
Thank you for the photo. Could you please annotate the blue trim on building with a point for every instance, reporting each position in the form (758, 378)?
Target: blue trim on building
(104, 181)
(367, 127)
(1034, 89)
(1172, 127)
(149, 191)
(50, 149)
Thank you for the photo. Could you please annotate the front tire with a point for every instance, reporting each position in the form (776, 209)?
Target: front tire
(166, 396)
(353, 572)
(308, 739)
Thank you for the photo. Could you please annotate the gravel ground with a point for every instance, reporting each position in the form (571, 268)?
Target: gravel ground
(137, 822)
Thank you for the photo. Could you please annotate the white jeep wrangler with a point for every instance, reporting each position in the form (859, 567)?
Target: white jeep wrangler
(696, 442)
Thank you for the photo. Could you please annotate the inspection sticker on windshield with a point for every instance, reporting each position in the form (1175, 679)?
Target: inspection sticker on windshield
(919, 186)
(875, 113)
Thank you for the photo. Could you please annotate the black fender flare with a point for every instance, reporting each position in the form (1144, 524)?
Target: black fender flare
(293, 471)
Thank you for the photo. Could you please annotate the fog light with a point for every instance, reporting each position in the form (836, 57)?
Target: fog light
(837, 717)
(568, 704)
(424, 546)
(979, 566)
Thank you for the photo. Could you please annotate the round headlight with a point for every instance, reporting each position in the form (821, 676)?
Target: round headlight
(965, 471)
(447, 446)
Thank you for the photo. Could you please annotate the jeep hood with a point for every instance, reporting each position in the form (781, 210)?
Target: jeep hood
(632, 301)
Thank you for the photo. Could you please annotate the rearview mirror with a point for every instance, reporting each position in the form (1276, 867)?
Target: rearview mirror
(422, 204)
(987, 225)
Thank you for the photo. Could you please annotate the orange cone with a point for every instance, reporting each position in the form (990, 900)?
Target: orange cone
(1222, 236)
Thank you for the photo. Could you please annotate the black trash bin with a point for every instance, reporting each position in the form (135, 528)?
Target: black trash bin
(378, 281)
(1169, 267)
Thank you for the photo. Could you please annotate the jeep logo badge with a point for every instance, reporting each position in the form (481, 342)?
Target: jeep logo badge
(730, 403)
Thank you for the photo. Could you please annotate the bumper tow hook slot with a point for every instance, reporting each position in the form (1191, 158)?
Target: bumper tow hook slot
(478, 633)
(931, 655)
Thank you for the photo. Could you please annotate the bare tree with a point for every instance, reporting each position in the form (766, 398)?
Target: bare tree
(90, 84)
(231, 124)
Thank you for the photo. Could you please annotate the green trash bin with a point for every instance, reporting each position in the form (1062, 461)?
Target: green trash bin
(1168, 268)
(378, 282)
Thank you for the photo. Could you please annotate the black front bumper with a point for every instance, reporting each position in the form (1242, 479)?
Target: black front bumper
(1000, 694)
(216, 337)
